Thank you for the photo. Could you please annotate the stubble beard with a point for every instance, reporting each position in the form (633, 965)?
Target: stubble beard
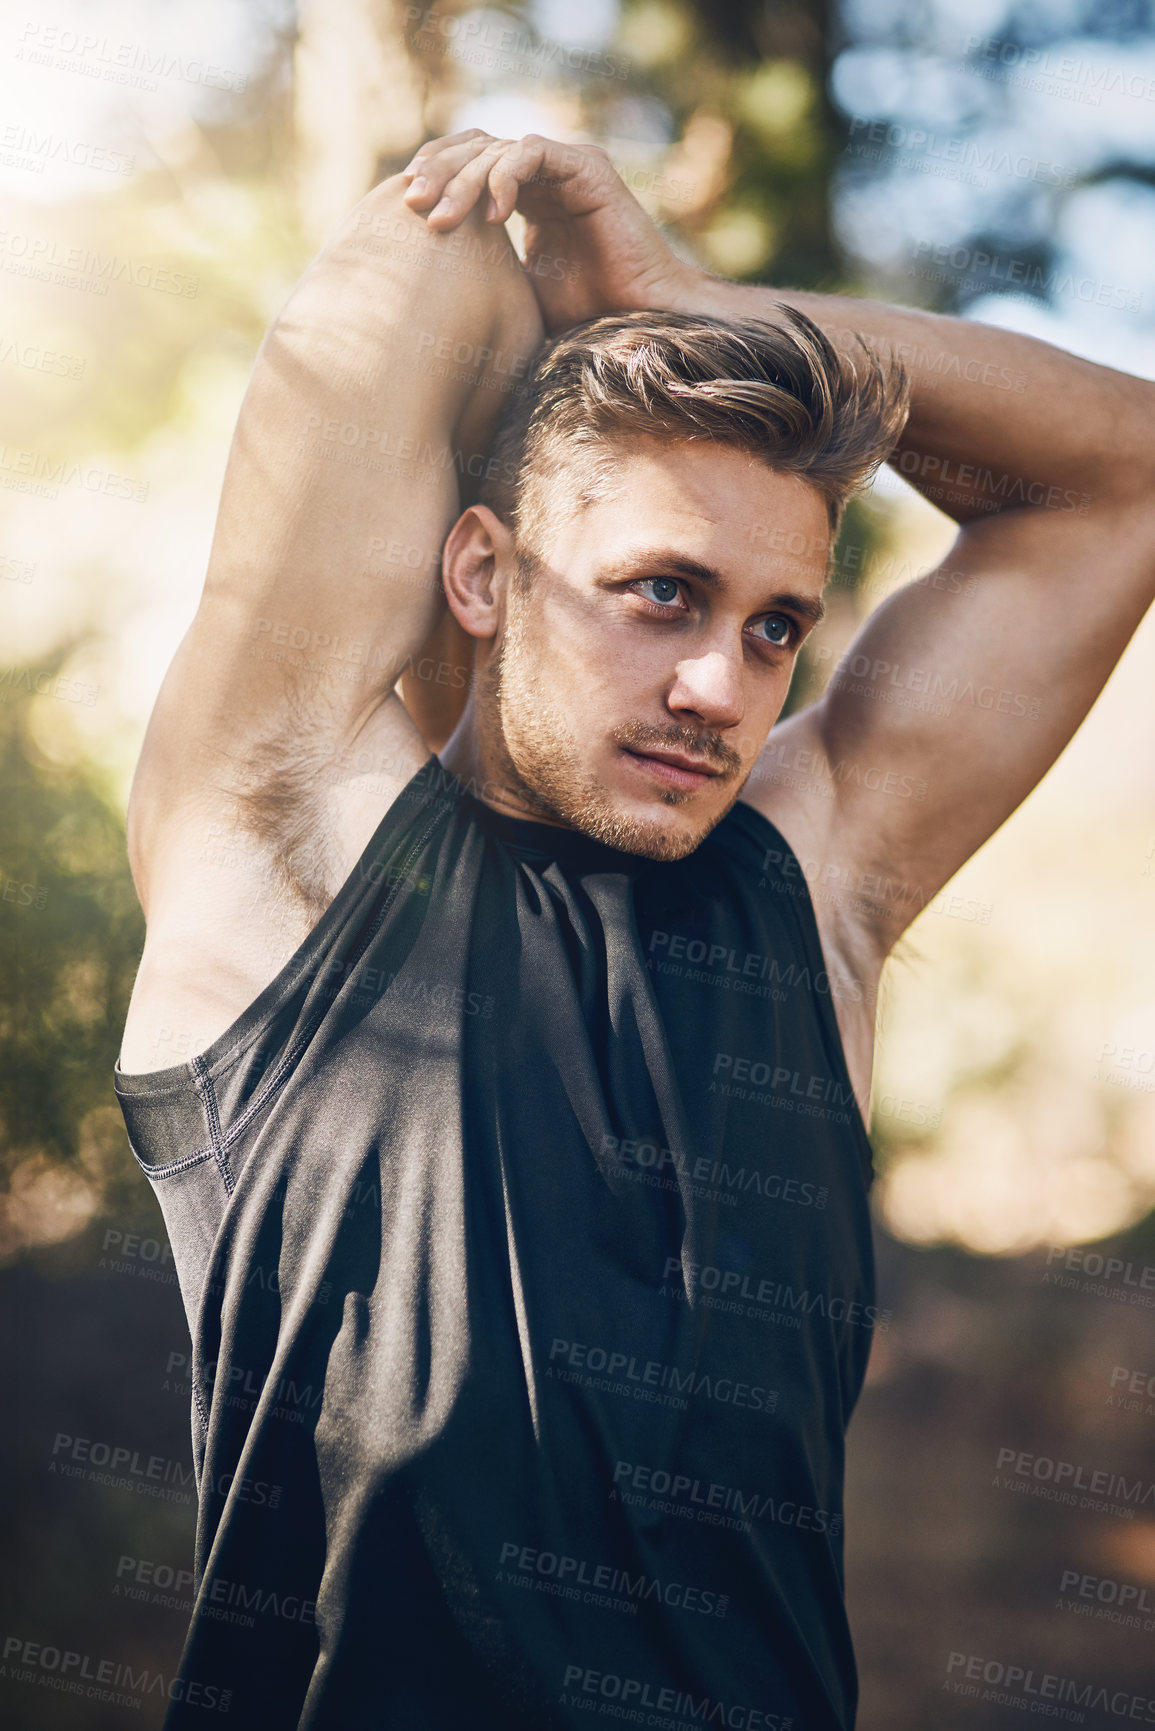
(537, 757)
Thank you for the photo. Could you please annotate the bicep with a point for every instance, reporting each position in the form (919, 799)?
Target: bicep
(232, 884)
(342, 480)
(324, 572)
(958, 694)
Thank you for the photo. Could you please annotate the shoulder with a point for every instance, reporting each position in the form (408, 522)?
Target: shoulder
(792, 792)
(237, 874)
(793, 788)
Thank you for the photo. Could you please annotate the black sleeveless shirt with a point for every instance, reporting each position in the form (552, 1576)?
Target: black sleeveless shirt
(522, 1228)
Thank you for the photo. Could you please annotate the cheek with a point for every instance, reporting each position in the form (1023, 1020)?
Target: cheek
(575, 647)
(765, 701)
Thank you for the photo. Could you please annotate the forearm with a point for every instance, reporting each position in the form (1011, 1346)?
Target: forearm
(997, 419)
(353, 440)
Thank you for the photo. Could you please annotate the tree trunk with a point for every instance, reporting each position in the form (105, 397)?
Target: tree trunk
(359, 101)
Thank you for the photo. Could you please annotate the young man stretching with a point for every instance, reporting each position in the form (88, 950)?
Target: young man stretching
(515, 1167)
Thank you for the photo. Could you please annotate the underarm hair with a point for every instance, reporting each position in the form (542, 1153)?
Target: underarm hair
(280, 793)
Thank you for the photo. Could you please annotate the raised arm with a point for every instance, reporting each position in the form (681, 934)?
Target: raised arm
(967, 685)
(277, 741)
(961, 690)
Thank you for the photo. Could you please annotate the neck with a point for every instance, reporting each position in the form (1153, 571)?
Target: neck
(479, 758)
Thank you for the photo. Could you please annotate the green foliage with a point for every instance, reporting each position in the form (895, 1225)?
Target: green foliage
(763, 72)
(71, 933)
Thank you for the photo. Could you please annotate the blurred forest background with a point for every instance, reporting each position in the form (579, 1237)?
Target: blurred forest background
(165, 174)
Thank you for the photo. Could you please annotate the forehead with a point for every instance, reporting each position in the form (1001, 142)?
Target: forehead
(714, 503)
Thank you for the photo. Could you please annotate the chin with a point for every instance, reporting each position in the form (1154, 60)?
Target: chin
(651, 838)
(667, 829)
(539, 759)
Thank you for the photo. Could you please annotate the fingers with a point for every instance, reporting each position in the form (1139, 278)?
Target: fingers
(576, 178)
(437, 146)
(509, 174)
(466, 187)
(448, 175)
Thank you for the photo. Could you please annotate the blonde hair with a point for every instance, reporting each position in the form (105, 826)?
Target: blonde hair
(779, 391)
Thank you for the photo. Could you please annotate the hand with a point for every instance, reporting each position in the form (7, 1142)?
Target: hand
(590, 247)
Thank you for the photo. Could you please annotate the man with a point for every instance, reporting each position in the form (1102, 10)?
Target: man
(506, 1105)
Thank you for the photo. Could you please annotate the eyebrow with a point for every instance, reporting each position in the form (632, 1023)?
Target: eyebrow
(810, 607)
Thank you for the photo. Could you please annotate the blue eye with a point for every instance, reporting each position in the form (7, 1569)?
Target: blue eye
(667, 588)
(779, 629)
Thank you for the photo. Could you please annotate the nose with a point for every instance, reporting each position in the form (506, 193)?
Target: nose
(709, 689)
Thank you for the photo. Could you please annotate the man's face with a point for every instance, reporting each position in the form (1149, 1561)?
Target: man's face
(630, 689)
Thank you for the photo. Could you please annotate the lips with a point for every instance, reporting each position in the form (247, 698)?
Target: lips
(675, 768)
(680, 761)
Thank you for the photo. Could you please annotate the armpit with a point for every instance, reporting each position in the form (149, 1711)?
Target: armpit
(283, 800)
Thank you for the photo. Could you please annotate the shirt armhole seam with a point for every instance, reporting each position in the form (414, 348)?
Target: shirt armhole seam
(810, 938)
(290, 1057)
(203, 1083)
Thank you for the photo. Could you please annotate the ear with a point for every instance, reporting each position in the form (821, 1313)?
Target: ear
(477, 555)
